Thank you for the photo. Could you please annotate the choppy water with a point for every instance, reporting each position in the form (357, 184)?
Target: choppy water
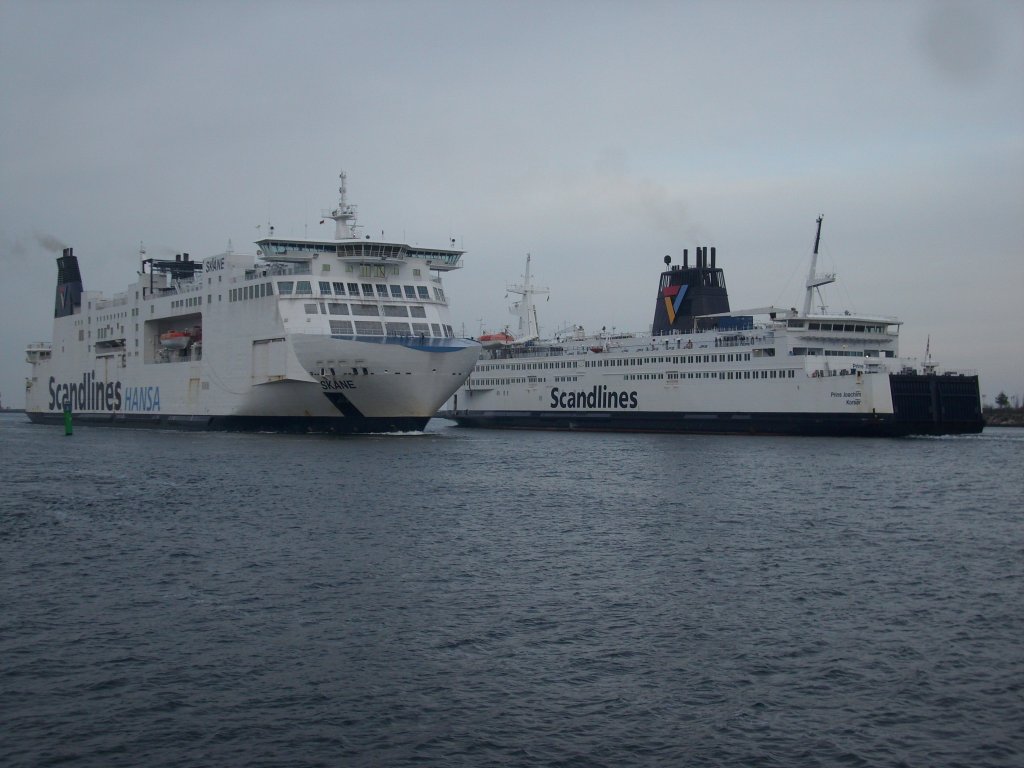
(464, 598)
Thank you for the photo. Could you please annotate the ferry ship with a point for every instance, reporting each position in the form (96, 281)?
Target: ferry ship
(343, 335)
(704, 368)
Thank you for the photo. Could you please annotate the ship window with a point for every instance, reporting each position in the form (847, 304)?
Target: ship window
(367, 289)
(421, 329)
(396, 310)
(369, 328)
(310, 309)
(382, 290)
(270, 288)
(396, 291)
(341, 326)
(353, 289)
(397, 329)
(436, 329)
(410, 291)
(365, 310)
(423, 292)
(284, 287)
(303, 286)
(325, 287)
(417, 312)
(814, 326)
(339, 289)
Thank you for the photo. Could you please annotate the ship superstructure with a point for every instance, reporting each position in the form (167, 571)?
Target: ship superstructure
(706, 368)
(344, 335)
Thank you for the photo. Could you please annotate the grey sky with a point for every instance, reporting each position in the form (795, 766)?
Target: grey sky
(597, 136)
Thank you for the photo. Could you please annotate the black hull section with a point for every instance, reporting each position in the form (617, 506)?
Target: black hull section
(805, 424)
(283, 424)
(923, 405)
(950, 404)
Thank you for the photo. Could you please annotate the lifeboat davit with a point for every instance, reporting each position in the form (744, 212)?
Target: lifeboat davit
(499, 339)
(175, 339)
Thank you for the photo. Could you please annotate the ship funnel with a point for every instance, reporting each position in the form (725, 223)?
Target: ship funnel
(687, 294)
(69, 285)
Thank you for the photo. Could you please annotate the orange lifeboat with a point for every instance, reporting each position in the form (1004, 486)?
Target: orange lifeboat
(175, 339)
(499, 339)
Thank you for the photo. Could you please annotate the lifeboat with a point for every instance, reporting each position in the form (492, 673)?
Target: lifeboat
(175, 339)
(499, 339)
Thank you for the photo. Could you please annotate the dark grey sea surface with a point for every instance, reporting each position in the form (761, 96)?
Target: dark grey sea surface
(467, 598)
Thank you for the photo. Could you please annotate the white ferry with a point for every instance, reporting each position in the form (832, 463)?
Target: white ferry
(705, 368)
(340, 336)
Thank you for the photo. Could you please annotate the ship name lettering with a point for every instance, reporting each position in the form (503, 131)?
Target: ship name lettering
(333, 384)
(596, 397)
(85, 395)
(144, 399)
(213, 264)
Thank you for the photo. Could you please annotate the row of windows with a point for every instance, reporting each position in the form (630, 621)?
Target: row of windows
(376, 328)
(193, 301)
(846, 327)
(255, 291)
(369, 290)
(624, 361)
(802, 351)
(672, 376)
(364, 310)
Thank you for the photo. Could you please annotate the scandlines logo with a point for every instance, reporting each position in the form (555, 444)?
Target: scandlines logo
(597, 397)
(86, 395)
(672, 304)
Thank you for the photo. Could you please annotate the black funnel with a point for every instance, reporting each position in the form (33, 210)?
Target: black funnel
(69, 285)
(687, 293)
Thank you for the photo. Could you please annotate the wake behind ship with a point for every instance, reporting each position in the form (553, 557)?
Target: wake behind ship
(706, 368)
(341, 336)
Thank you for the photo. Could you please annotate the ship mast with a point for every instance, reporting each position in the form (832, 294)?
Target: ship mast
(524, 309)
(814, 281)
(344, 214)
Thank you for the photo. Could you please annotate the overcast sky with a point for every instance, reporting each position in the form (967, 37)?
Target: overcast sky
(597, 136)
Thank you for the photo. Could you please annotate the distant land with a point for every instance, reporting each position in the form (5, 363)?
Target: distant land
(1003, 417)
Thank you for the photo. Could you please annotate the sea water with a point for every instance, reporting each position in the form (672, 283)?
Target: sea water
(466, 598)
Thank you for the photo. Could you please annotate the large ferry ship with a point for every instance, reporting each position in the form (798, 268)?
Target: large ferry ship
(344, 335)
(706, 368)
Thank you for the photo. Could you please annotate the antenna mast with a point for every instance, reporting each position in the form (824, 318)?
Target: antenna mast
(344, 214)
(815, 281)
(524, 309)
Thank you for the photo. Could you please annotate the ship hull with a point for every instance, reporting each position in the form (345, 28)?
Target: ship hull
(917, 405)
(397, 387)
